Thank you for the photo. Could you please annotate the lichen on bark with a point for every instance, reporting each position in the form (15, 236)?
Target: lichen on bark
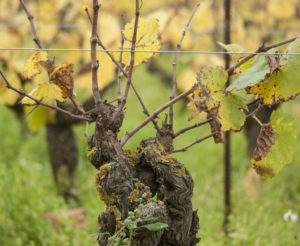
(148, 180)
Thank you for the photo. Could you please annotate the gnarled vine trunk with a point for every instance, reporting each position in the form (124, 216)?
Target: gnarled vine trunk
(148, 179)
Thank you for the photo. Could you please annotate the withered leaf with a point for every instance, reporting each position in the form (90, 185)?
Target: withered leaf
(275, 145)
(274, 63)
(62, 75)
(264, 142)
(215, 126)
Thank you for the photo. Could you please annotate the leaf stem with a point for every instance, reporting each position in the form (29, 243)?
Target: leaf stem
(257, 120)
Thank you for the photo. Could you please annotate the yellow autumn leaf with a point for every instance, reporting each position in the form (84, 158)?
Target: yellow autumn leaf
(173, 32)
(146, 39)
(39, 117)
(283, 84)
(32, 66)
(10, 38)
(281, 10)
(106, 74)
(187, 79)
(9, 97)
(44, 91)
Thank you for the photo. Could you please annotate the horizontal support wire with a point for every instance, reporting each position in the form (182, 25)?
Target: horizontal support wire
(157, 51)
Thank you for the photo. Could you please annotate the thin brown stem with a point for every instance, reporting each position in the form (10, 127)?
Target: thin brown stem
(132, 55)
(38, 102)
(254, 111)
(30, 18)
(94, 61)
(154, 114)
(191, 127)
(120, 62)
(76, 104)
(38, 43)
(192, 144)
(174, 87)
(119, 66)
(259, 50)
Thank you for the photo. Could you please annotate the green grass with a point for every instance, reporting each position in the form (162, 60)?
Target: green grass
(27, 190)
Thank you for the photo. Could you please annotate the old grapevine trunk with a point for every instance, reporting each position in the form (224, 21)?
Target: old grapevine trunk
(150, 176)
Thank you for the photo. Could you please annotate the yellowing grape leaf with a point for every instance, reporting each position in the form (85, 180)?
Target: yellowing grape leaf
(106, 74)
(39, 117)
(186, 79)
(32, 66)
(44, 91)
(147, 39)
(11, 39)
(231, 115)
(226, 109)
(7, 96)
(281, 10)
(173, 30)
(256, 73)
(246, 65)
(275, 145)
(62, 75)
(233, 48)
(210, 89)
(284, 83)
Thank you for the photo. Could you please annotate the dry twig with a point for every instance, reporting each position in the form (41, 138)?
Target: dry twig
(259, 50)
(38, 102)
(192, 144)
(154, 114)
(174, 87)
(94, 61)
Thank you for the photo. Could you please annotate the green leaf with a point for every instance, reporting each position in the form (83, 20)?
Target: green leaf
(257, 72)
(156, 226)
(233, 48)
(280, 153)
(284, 84)
(230, 113)
(148, 219)
(244, 97)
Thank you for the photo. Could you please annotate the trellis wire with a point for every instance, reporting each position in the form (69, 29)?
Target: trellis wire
(156, 51)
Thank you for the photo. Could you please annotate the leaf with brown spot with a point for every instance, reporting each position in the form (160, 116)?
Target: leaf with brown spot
(275, 145)
(284, 83)
(33, 64)
(62, 76)
(274, 63)
(44, 91)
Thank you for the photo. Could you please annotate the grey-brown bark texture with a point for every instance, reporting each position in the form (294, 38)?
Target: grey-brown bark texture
(150, 176)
